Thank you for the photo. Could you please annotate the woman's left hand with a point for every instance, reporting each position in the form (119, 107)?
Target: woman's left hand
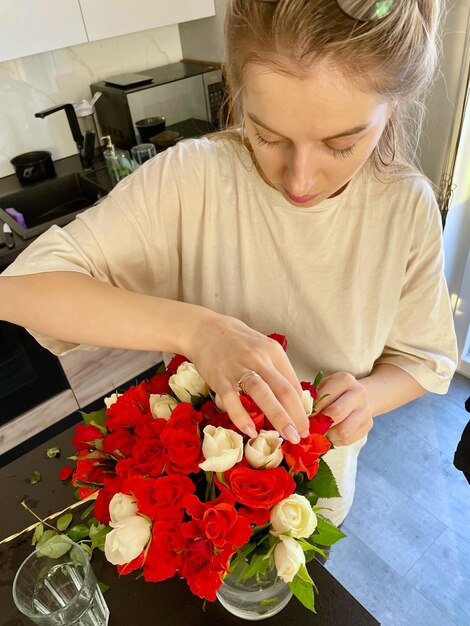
(347, 403)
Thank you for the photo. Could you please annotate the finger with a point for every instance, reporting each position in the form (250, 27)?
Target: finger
(290, 401)
(231, 402)
(263, 395)
(341, 407)
(333, 387)
(350, 430)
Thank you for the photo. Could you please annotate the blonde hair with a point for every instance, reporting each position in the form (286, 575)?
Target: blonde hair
(394, 57)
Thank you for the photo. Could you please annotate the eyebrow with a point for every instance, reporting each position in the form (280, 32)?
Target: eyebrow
(345, 133)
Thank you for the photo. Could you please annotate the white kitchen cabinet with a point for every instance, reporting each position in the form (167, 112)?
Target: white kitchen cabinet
(33, 26)
(110, 18)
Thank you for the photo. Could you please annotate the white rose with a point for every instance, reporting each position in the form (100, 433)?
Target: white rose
(110, 400)
(187, 382)
(222, 448)
(122, 506)
(127, 540)
(264, 450)
(162, 405)
(288, 557)
(293, 515)
(307, 401)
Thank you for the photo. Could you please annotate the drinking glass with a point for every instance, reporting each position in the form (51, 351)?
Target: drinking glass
(143, 152)
(56, 585)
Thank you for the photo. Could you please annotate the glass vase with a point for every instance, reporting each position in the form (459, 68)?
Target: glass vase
(256, 598)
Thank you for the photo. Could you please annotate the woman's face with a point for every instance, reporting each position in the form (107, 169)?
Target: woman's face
(311, 134)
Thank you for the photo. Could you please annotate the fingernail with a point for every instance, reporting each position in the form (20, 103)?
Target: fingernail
(305, 433)
(251, 432)
(291, 434)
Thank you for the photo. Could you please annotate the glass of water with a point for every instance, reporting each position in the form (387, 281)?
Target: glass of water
(56, 585)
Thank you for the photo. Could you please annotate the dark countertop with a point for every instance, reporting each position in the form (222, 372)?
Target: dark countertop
(133, 601)
(10, 184)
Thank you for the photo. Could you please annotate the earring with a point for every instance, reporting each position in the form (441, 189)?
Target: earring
(393, 135)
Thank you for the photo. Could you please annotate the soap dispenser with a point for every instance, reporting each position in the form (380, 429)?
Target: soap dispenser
(118, 162)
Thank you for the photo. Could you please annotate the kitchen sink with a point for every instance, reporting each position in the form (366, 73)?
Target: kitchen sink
(55, 201)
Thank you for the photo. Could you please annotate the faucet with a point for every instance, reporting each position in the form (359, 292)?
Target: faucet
(85, 144)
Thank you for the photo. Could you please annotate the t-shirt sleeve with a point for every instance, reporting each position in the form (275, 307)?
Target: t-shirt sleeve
(422, 338)
(129, 240)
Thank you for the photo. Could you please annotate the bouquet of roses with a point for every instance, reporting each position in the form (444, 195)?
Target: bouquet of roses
(182, 492)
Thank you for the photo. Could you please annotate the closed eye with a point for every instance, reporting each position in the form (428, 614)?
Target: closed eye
(268, 144)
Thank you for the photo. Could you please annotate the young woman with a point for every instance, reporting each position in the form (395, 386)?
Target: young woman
(306, 220)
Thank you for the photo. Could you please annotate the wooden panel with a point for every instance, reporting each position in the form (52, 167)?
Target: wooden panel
(32, 422)
(93, 374)
(30, 26)
(110, 18)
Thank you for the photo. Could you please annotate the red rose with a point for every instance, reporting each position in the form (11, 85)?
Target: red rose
(128, 408)
(101, 508)
(258, 517)
(216, 520)
(148, 456)
(259, 489)
(280, 339)
(320, 423)
(203, 569)
(165, 552)
(303, 456)
(183, 451)
(184, 417)
(125, 468)
(84, 435)
(309, 387)
(136, 563)
(149, 427)
(162, 499)
(175, 363)
(119, 443)
(159, 383)
(93, 468)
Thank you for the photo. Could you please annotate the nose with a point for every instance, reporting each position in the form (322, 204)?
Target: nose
(300, 171)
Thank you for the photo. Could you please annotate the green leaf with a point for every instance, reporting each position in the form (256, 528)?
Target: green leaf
(78, 532)
(46, 535)
(51, 453)
(103, 586)
(36, 477)
(326, 533)
(303, 591)
(64, 522)
(318, 379)
(98, 535)
(304, 575)
(161, 369)
(38, 532)
(95, 417)
(259, 564)
(323, 484)
(87, 511)
(55, 547)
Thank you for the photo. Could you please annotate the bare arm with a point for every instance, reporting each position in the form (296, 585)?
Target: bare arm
(78, 308)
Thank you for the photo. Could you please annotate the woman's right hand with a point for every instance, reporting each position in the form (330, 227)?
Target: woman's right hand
(224, 349)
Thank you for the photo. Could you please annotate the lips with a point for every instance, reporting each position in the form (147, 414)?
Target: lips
(299, 199)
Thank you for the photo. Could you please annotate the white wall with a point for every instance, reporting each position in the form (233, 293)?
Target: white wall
(40, 81)
(203, 39)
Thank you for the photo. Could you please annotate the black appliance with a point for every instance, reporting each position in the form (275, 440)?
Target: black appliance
(178, 92)
(29, 374)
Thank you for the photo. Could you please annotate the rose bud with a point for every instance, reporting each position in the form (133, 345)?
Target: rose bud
(288, 557)
(264, 450)
(121, 506)
(187, 383)
(162, 405)
(127, 540)
(307, 401)
(293, 515)
(222, 448)
(110, 400)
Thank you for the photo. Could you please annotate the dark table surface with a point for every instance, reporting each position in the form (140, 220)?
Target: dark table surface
(135, 602)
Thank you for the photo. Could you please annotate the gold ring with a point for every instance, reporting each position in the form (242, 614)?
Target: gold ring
(240, 386)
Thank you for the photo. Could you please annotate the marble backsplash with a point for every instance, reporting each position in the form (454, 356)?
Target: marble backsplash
(37, 82)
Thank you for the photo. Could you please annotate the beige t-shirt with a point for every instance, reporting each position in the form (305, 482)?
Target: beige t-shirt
(355, 281)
